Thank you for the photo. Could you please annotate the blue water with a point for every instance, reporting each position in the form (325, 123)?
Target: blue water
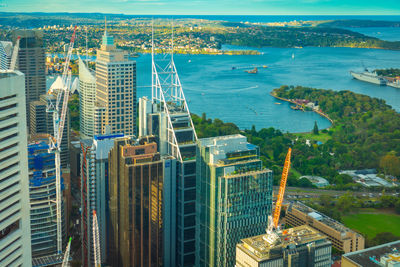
(272, 18)
(383, 33)
(211, 86)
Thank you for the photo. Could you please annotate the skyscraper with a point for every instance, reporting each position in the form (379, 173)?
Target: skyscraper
(31, 62)
(87, 99)
(141, 192)
(167, 116)
(116, 88)
(94, 186)
(234, 194)
(6, 49)
(15, 245)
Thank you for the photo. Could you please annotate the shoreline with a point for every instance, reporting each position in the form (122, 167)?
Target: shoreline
(316, 111)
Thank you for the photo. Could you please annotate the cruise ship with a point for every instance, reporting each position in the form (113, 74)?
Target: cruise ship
(367, 76)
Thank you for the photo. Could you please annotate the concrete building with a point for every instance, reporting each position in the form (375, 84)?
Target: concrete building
(234, 197)
(15, 238)
(42, 193)
(140, 202)
(299, 246)
(6, 50)
(31, 62)
(87, 99)
(94, 186)
(386, 255)
(116, 88)
(342, 238)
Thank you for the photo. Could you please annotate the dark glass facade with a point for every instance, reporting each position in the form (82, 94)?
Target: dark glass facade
(136, 204)
(31, 62)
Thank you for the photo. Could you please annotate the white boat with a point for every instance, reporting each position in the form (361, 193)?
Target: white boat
(366, 76)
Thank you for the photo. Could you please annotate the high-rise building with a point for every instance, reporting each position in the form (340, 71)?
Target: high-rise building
(234, 197)
(298, 246)
(140, 202)
(31, 62)
(167, 116)
(342, 238)
(87, 99)
(41, 122)
(116, 88)
(6, 50)
(15, 238)
(94, 186)
(42, 193)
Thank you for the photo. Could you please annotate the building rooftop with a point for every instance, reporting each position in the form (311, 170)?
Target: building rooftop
(9, 73)
(322, 218)
(229, 148)
(260, 249)
(316, 180)
(371, 256)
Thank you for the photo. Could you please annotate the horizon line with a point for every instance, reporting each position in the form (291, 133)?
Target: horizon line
(64, 12)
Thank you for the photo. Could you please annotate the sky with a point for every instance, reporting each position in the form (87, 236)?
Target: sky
(208, 7)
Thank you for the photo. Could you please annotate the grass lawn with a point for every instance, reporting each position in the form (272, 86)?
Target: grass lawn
(372, 224)
(295, 173)
(322, 137)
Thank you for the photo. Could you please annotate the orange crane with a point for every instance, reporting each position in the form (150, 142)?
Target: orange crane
(279, 200)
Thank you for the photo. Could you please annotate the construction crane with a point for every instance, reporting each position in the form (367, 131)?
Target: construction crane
(96, 241)
(58, 124)
(14, 56)
(282, 187)
(272, 235)
(66, 254)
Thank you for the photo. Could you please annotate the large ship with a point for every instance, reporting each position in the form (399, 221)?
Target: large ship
(366, 76)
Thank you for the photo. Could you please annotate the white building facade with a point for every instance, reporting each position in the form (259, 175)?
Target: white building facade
(15, 238)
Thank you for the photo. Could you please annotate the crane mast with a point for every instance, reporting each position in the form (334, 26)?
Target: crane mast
(58, 124)
(14, 56)
(96, 241)
(66, 254)
(282, 187)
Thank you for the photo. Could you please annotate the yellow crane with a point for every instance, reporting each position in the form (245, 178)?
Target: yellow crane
(282, 187)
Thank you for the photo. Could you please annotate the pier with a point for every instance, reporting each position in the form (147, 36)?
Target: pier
(319, 112)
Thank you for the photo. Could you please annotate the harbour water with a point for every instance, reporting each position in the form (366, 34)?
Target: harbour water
(211, 86)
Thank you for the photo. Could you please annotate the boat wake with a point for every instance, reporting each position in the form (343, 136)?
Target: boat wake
(244, 89)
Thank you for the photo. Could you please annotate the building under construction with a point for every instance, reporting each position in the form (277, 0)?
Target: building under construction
(298, 246)
(42, 192)
(342, 238)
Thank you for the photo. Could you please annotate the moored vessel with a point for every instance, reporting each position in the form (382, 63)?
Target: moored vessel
(366, 76)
